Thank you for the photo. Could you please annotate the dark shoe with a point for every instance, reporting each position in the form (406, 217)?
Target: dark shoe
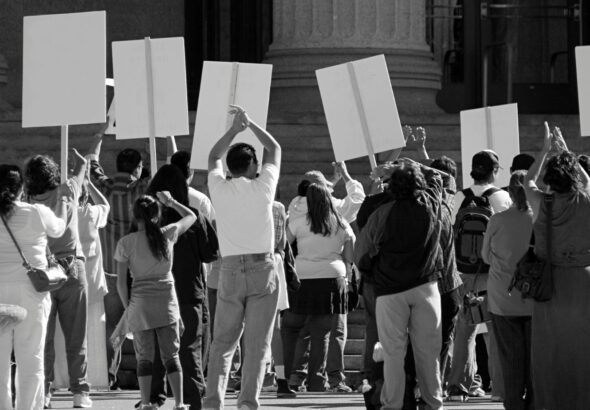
(456, 394)
(283, 390)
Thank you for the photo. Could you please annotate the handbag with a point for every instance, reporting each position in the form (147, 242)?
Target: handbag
(44, 280)
(533, 276)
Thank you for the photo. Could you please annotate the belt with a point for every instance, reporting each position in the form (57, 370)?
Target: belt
(252, 257)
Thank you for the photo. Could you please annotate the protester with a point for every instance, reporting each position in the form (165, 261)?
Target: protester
(70, 302)
(247, 293)
(121, 191)
(405, 270)
(561, 326)
(506, 240)
(31, 226)
(323, 263)
(462, 380)
(198, 245)
(92, 216)
(152, 310)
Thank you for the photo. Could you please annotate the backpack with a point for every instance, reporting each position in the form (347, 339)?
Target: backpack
(471, 223)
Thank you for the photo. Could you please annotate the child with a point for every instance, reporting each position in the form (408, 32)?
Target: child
(152, 311)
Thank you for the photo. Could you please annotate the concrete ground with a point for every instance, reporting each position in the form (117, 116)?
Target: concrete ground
(351, 401)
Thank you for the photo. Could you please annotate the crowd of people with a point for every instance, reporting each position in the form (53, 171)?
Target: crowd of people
(202, 282)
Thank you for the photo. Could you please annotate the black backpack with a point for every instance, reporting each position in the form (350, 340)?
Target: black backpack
(470, 225)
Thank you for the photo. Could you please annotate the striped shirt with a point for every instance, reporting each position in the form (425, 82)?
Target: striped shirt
(121, 191)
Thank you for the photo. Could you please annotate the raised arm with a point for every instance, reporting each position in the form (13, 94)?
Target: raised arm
(272, 149)
(188, 216)
(81, 166)
(534, 196)
(239, 124)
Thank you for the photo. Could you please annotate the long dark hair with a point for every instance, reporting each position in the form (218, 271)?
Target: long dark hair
(170, 178)
(41, 174)
(147, 210)
(516, 190)
(320, 210)
(11, 182)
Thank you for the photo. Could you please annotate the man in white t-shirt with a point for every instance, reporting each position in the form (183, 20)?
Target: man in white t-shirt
(247, 296)
(461, 380)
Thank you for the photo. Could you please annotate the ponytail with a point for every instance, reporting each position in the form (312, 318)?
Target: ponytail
(516, 190)
(147, 210)
(11, 182)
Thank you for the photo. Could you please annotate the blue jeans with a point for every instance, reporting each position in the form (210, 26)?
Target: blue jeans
(71, 304)
(246, 302)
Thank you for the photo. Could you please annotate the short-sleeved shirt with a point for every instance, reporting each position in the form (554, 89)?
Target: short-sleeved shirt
(31, 225)
(320, 257)
(243, 208)
(91, 218)
(201, 203)
(153, 301)
(69, 243)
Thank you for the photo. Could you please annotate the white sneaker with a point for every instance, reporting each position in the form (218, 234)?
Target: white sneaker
(82, 401)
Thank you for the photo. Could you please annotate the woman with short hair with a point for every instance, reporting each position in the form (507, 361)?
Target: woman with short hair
(30, 225)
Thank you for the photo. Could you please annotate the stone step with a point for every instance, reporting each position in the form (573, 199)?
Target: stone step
(354, 378)
(354, 347)
(356, 317)
(356, 332)
(353, 361)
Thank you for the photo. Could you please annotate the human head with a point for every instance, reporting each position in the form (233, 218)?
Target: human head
(521, 162)
(447, 165)
(241, 160)
(584, 161)
(146, 211)
(182, 160)
(484, 167)
(320, 209)
(11, 187)
(41, 175)
(129, 161)
(406, 181)
(561, 173)
(516, 190)
(170, 178)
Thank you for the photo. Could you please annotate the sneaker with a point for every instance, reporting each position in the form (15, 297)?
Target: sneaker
(456, 394)
(47, 402)
(340, 388)
(283, 390)
(300, 388)
(269, 383)
(233, 385)
(82, 401)
(477, 392)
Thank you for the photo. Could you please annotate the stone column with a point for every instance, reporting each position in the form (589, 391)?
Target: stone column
(4, 105)
(311, 34)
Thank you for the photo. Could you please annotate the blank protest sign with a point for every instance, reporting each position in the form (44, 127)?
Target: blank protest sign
(222, 84)
(168, 82)
(494, 128)
(64, 69)
(583, 75)
(358, 99)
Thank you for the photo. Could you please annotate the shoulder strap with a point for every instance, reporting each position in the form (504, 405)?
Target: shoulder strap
(490, 191)
(549, 203)
(468, 192)
(22, 255)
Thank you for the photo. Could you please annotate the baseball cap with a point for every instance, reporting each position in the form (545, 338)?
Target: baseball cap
(522, 161)
(316, 177)
(485, 161)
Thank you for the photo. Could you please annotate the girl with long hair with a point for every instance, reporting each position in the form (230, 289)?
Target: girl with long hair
(30, 225)
(152, 310)
(325, 245)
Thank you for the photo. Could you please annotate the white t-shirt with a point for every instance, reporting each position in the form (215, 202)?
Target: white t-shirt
(31, 225)
(243, 209)
(201, 203)
(319, 257)
(500, 201)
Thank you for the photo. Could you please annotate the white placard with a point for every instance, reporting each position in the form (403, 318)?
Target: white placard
(222, 84)
(358, 101)
(64, 69)
(494, 128)
(583, 74)
(168, 82)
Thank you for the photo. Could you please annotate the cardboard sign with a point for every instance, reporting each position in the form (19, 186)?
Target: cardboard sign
(494, 128)
(583, 74)
(151, 86)
(64, 69)
(360, 108)
(222, 84)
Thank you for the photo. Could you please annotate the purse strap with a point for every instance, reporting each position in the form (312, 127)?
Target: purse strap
(548, 199)
(26, 263)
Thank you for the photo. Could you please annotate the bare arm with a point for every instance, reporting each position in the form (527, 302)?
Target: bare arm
(530, 182)
(81, 166)
(272, 149)
(122, 282)
(96, 196)
(188, 216)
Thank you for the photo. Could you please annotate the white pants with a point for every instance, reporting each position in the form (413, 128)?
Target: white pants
(28, 341)
(415, 312)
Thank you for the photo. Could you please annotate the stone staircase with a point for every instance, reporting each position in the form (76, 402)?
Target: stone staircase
(355, 346)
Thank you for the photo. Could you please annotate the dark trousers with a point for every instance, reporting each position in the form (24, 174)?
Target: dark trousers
(451, 303)
(513, 336)
(319, 327)
(371, 336)
(113, 308)
(191, 361)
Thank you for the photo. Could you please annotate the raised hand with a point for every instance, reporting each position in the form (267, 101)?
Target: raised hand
(420, 136)
(164, 197)
(241, 120)
(408, 131)
(558, 140)
(547, 138)
(79, 157)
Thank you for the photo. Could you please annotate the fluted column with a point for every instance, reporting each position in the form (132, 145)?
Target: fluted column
(311, 34)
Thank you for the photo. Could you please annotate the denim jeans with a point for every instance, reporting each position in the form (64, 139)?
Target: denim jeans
(113, 312)
(246, 302)
(71, 304)
(335, 363)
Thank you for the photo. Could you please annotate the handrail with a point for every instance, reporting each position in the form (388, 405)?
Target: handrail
(485, 73)
(553, 60)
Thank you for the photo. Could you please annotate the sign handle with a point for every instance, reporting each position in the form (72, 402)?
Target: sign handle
(151, 115)
(362, 116)
(232, 90)
(489, 132)
(64, 153)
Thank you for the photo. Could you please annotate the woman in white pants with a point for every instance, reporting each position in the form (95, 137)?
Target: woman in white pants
(30, 225)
